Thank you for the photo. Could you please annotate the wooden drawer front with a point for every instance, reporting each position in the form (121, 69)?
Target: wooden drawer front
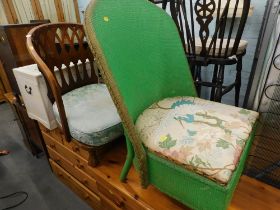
(118, 199)
(93, 200)
(112, 196)
(109, 195)
(73, 146)
(81, 176)
(72, 157)
(110, 199)
(107, 204)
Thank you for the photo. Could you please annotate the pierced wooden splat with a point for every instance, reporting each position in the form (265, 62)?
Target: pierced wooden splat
(204, 10)
(56, 47)
(212, 19)
(65, 45)
(211, 34)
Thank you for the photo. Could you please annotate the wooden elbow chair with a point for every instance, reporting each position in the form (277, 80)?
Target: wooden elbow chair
(82, 106)
(191, 149)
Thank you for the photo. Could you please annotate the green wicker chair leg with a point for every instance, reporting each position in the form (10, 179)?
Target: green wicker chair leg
(192, 149)
(128, 162)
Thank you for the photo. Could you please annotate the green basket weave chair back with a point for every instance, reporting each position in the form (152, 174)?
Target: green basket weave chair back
(143, 50)
(141, 57)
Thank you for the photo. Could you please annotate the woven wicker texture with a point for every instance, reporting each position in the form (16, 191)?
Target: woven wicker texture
(132, 53)
(142, 51)
(195, 191)
(142, 61)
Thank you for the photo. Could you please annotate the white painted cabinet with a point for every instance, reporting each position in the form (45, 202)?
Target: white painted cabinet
(33, 89)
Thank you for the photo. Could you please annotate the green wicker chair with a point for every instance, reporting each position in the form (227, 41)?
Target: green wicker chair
(191, 149)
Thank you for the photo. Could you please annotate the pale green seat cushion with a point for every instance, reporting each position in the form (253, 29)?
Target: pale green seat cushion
(204, 136)
(91, 114)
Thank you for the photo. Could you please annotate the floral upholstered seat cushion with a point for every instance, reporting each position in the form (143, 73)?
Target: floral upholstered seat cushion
(91, 114)
(204, 136)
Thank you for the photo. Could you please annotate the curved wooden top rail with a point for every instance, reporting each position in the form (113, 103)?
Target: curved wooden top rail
(64, 59)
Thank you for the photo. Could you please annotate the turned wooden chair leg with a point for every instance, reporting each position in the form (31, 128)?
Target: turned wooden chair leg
(192, 68)
(238, 80)
(197, 78)
(94, 158)
(220, 81)
(214, 82)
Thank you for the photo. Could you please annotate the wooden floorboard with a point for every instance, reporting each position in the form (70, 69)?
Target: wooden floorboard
(255, 195)
(249, 195)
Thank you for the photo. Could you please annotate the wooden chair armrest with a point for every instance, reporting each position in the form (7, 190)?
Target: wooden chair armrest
(53, 84)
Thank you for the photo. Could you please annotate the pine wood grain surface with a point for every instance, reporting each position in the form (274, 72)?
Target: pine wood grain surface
(249, 195)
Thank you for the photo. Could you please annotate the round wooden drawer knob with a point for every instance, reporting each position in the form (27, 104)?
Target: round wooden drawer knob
(85, 181)
(58, 160)
(79, 165)
(52, 146)
(76, 149)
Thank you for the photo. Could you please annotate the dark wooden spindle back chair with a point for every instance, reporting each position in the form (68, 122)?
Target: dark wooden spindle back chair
(55, 45)
(219, 34)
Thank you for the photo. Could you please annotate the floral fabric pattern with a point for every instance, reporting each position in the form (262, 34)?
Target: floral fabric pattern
(91, 114)
(204, 136)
